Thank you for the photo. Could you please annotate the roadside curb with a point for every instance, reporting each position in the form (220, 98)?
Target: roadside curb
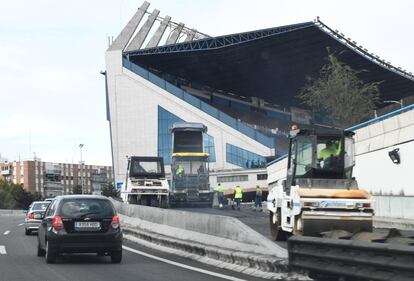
(252, 264)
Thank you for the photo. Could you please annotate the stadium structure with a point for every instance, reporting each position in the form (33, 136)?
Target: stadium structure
(242, 86)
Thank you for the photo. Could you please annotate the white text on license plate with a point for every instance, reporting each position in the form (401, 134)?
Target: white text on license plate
(87, 225)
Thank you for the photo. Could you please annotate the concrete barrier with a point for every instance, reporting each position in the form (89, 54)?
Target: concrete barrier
(400, 207)
(219, 241)
(221, 231)
(398, 223)
(11, 212)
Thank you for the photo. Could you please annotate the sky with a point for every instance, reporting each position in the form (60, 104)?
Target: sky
(52, 97)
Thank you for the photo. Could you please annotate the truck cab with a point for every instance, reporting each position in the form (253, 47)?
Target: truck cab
(146, 183)
(312, 190)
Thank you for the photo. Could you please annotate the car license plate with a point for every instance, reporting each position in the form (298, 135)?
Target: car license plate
(87, 225)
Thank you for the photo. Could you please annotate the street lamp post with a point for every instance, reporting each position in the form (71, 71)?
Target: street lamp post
(400, 102)
(81, 164)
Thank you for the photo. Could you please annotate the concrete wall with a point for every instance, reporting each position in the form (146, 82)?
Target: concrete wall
(133, 105)
(394, 206)
(374, 169)
(198, 227)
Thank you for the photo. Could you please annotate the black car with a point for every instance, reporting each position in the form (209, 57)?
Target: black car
(80, 224)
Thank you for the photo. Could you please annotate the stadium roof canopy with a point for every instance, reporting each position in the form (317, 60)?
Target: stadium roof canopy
(272, 63)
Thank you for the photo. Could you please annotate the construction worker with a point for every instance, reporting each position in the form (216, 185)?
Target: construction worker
(179, 171)
(238, 196)
(328, 153)
(258, 201)
(220, 195)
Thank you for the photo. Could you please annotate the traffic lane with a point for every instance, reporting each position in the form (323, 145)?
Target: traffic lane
(10, 222)
(21, 263)
(191, 262)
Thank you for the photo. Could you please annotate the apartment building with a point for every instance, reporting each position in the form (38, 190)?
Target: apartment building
(52, 179)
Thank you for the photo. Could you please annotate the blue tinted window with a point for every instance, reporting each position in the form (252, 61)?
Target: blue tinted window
(244, 158)
(165, 121)
(208, 143)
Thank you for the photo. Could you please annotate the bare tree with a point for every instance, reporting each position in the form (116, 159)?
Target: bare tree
(340, 94)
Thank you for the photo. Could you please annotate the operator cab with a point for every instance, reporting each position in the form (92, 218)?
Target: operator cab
(146, 168)
(321, 154)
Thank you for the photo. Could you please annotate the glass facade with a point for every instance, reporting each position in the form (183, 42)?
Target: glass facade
(208, 143)
(244, 158)
(165, 121)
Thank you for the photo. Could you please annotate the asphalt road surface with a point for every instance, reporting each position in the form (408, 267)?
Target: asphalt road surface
(18, 261)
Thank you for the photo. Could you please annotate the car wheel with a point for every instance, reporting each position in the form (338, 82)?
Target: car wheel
(27, 231)
(116, 256)
(40, 251)
(50, 254)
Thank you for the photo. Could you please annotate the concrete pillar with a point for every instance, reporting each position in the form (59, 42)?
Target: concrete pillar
(159, 33)
(139, 38)
(190, 35)
(175, 34)
(123, 38)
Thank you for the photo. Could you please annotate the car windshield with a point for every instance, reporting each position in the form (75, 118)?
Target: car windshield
(77, 208)
(40, 206)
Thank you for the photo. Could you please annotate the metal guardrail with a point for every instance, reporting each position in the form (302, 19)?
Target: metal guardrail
(350, 259)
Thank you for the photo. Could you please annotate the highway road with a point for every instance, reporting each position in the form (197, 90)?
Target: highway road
(18, 261)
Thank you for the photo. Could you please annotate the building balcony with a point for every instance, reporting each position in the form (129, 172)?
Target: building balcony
(53, 169)
(100, 178)
(6, 172)
(51, 185)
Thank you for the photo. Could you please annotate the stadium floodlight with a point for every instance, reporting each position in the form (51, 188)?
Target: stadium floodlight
(395, 156)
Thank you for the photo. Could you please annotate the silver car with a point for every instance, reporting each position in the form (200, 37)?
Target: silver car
(34, 216)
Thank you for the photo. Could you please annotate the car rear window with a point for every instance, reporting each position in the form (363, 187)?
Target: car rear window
(75, 208)
(40, 206)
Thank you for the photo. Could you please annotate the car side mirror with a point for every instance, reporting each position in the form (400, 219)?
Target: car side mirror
(25, 211)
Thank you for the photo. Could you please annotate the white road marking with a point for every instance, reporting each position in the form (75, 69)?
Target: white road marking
(2, 250)
(6, 232)
(20, 224)
(227, 277)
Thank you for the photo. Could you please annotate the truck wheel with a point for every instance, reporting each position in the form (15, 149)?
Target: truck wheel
(276, 230)
(164, 203)
(154, 202)
(143, 201)
(132, 199)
